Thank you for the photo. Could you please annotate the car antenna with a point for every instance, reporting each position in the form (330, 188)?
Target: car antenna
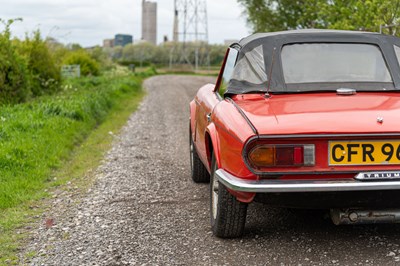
(267, 95)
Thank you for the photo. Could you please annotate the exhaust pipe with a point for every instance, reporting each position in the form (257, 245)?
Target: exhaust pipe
(355, 216)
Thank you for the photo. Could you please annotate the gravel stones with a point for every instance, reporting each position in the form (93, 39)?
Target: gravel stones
(144, 210)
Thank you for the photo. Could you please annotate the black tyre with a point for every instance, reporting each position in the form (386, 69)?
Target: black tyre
(199, 172)
(228, 215)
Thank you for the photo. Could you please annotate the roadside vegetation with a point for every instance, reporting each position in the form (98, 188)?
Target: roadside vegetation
(168, 54)
(53, 129)
(365, 15)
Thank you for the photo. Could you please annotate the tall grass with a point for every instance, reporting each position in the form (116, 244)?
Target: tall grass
(37, 137)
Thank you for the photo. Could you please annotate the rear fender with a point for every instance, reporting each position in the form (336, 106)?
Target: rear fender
(213, 146)
(192, 118)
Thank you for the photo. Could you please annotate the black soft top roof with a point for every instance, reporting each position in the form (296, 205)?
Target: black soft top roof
(273, 42)
(293, 34)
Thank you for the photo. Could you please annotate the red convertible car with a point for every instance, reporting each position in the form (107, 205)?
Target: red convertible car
(301, 119)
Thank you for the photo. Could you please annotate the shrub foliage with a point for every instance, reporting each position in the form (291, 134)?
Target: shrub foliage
(89, 67)
(44, 74)
(13, 79)
(32, 67)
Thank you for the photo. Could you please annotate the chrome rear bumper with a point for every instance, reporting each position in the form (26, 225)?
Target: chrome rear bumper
(260, 186)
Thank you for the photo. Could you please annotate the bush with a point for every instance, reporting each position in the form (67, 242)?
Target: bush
(102, 58)
(44, 74)
(80, 57)
(13, 81)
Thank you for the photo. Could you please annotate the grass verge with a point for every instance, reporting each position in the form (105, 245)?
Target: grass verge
(49, 142)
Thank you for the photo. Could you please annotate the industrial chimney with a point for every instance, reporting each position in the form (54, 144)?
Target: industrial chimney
(149, 21)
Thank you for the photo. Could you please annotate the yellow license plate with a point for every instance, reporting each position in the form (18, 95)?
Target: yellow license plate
(364, 152)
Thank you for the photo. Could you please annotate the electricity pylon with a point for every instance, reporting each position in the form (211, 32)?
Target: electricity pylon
(191, 29)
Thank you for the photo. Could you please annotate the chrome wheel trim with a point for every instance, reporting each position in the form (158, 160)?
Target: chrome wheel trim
(214, 193)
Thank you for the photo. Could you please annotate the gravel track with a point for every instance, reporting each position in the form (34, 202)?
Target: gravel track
(144, 210)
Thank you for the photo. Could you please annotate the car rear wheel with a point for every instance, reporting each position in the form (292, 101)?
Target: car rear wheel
(199, 172)
(228, 215)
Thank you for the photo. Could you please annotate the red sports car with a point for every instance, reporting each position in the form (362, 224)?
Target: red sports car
(301, 119)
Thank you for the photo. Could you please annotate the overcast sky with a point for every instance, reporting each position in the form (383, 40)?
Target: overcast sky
(88, 22)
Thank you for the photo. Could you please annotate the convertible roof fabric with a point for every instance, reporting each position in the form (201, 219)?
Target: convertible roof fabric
(292, 33)
(259, 62)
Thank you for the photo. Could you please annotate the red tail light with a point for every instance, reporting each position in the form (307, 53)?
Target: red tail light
(281, 155)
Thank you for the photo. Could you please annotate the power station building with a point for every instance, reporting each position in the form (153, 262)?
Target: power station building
(119, 40)
(123, 39)
(149, 21)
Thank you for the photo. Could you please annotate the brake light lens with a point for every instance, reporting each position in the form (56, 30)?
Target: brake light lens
(282, 155)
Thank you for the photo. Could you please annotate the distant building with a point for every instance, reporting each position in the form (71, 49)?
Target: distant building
(108, 43)
(175, 36)
(149, 22)
(166, 38)
(123, 40)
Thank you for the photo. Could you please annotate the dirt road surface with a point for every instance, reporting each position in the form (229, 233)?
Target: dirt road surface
(145, 210)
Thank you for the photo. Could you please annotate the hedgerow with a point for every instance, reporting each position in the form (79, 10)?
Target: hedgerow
(88, 66)
(32, 67)
(44, 75)
(13, 71)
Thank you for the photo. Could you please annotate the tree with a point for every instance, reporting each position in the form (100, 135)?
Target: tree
(351, 15)
(101, 57)
(273, 15)
(389, 14)
(144, 54)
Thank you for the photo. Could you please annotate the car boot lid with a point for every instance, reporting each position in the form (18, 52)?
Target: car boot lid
(322, 113)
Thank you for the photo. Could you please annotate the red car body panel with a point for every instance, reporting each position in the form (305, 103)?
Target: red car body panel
(203, 104)
(322, 113)
(218, 127)
(288, 115)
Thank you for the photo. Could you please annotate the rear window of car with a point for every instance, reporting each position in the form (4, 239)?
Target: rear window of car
(333, 63)
(249, 73)
(250, 67)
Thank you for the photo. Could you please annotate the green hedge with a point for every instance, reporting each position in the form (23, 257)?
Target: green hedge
(13, 72)
(43, 74)
(89, 66)
(32, 67)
